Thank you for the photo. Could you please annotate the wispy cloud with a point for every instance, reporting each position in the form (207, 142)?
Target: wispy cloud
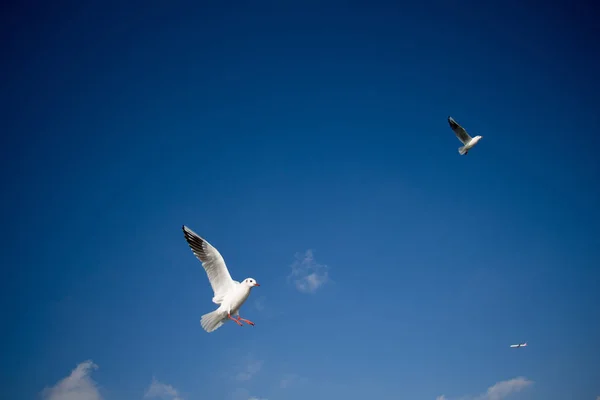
(242, 371)
(240, 394)
(259, 303)
(267, 309)
(244, 394)
(289, 380)
(500, 390)
(77, 386)
(307, 274)
(250, 368)
(162, 391)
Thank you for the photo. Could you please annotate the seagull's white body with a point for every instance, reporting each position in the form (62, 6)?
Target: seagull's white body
(229, 294)
(462, 135)
(518, 345)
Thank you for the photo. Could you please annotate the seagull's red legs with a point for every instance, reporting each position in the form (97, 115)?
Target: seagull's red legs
(245, 320)
(234, 320)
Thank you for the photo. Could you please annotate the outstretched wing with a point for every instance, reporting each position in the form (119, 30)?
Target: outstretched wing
(459, 131)
(213, 263)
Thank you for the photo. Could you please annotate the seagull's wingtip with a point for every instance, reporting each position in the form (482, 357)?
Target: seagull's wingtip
(186, 231)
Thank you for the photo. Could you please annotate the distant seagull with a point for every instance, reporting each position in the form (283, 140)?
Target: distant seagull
(463, 136)
(518, 345)
(229, 294)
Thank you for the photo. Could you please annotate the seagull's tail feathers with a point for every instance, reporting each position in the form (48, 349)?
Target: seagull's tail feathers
(212, 320)
(462, 150)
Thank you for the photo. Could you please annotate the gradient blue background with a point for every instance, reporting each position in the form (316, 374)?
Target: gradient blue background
(273, 127)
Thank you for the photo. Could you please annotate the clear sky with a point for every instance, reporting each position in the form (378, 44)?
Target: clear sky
(310, 137)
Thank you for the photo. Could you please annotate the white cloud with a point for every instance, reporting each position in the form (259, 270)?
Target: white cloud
(307, 274)
(257, 398)
(77, 386)
(80, 386)
(250, 368)
(162, 391)
(501, 389)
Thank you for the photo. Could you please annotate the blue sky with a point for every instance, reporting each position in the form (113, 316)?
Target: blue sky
(308, 137)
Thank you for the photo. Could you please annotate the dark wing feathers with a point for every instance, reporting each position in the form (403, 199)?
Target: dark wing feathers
(459, 131)
(213, 263)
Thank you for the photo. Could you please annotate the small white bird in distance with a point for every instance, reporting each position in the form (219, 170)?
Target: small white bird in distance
(229, 294)
(518, 345)
(463, 136)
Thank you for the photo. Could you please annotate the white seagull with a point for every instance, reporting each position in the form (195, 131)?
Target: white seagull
(229, 294)
(518, 345)
(463, 136)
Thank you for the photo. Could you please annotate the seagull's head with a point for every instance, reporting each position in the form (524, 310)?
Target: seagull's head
(478, 138)
(250, 282)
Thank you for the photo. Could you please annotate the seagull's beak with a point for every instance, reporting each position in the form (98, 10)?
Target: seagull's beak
(256, 284)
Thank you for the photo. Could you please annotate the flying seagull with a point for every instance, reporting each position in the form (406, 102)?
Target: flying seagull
(518, 345)
(229, 294)
(463, 136)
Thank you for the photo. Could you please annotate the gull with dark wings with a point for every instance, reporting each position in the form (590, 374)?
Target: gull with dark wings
(462, 135)
(229, 294)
